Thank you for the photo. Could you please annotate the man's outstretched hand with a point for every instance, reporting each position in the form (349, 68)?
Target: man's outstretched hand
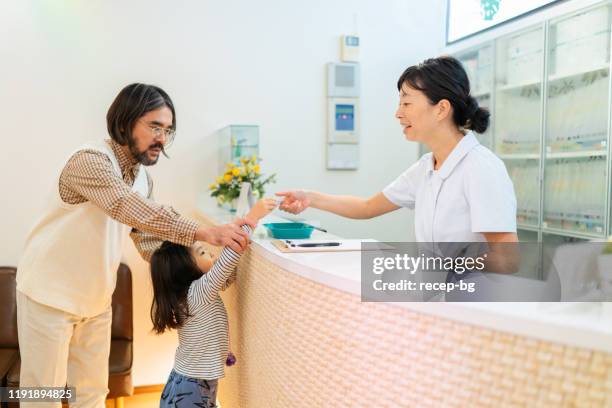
(230, 235)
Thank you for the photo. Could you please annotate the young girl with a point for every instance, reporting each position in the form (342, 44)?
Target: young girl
(186, 286)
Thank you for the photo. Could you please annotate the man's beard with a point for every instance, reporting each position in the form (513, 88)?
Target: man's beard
(143, 157)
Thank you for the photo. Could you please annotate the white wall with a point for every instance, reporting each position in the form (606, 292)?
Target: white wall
(237, 61)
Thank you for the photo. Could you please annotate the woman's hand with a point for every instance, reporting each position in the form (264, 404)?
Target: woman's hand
(261, 208)
(294, 201)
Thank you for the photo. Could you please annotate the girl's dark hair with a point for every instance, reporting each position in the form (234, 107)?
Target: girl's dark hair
(444, 78)
(131, 104)
(172, 271)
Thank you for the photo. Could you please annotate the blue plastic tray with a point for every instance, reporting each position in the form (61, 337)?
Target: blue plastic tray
(289, 230)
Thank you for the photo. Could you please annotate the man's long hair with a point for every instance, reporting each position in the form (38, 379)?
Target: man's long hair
(134, 101)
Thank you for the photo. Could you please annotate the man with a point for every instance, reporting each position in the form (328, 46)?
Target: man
(67, 273)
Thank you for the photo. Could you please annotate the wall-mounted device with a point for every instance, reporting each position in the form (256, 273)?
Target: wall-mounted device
(343, 80)
(343, 126)
(343, 115)
(349, 48)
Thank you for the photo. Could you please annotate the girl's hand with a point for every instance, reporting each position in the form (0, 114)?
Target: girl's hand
(261, 208)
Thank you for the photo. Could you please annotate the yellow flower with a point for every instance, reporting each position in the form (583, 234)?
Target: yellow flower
(256, 168)
(254, 158)
(213, 186)
(227, 177)
(219, 179)
(244, 160)
(230, 165)
(242, 171)
(236, 171)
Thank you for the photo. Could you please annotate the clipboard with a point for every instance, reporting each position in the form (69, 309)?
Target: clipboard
(345, 245)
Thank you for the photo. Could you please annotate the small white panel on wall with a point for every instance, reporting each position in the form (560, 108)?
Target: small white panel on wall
(342, 156)
(349, 48)
(343, 80)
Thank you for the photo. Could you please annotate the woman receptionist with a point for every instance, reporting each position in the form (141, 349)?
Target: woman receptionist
(460, 191)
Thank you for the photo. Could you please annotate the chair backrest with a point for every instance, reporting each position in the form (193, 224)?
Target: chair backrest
(8, 308)
(123, 327)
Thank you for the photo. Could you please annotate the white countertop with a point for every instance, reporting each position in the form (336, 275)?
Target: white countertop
(586, 324)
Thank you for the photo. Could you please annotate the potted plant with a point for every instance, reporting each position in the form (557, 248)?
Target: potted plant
(227, 187)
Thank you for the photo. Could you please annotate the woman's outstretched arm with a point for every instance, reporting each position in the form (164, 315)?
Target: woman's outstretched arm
(296, 201)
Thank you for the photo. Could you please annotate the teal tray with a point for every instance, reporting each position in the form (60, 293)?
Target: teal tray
(289, 230)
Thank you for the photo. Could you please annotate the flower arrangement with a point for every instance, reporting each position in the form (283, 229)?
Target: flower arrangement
(227, 187)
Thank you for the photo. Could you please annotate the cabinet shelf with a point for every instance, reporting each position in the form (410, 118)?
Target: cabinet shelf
(572, 234)
(527, 227)
(519, 85)
(576, 154)
(551, 78)
(519, 156)
(577, 73)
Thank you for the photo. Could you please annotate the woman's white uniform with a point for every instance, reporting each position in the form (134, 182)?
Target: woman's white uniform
(470, 194)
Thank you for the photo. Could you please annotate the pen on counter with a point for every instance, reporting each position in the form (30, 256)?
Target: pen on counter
(316, 244)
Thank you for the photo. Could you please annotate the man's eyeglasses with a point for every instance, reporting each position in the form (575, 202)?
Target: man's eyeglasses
(158, 131)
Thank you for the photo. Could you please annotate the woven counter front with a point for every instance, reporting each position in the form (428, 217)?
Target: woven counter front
(303, 344)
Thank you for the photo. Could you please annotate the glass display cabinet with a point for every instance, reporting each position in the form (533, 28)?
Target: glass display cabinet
(549, 90)
(518, 117)
(237, 141)
(577, 109)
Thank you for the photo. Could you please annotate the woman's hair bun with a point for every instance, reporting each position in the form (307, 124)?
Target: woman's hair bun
(477, 117)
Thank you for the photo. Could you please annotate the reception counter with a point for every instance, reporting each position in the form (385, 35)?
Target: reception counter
(304, 338)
